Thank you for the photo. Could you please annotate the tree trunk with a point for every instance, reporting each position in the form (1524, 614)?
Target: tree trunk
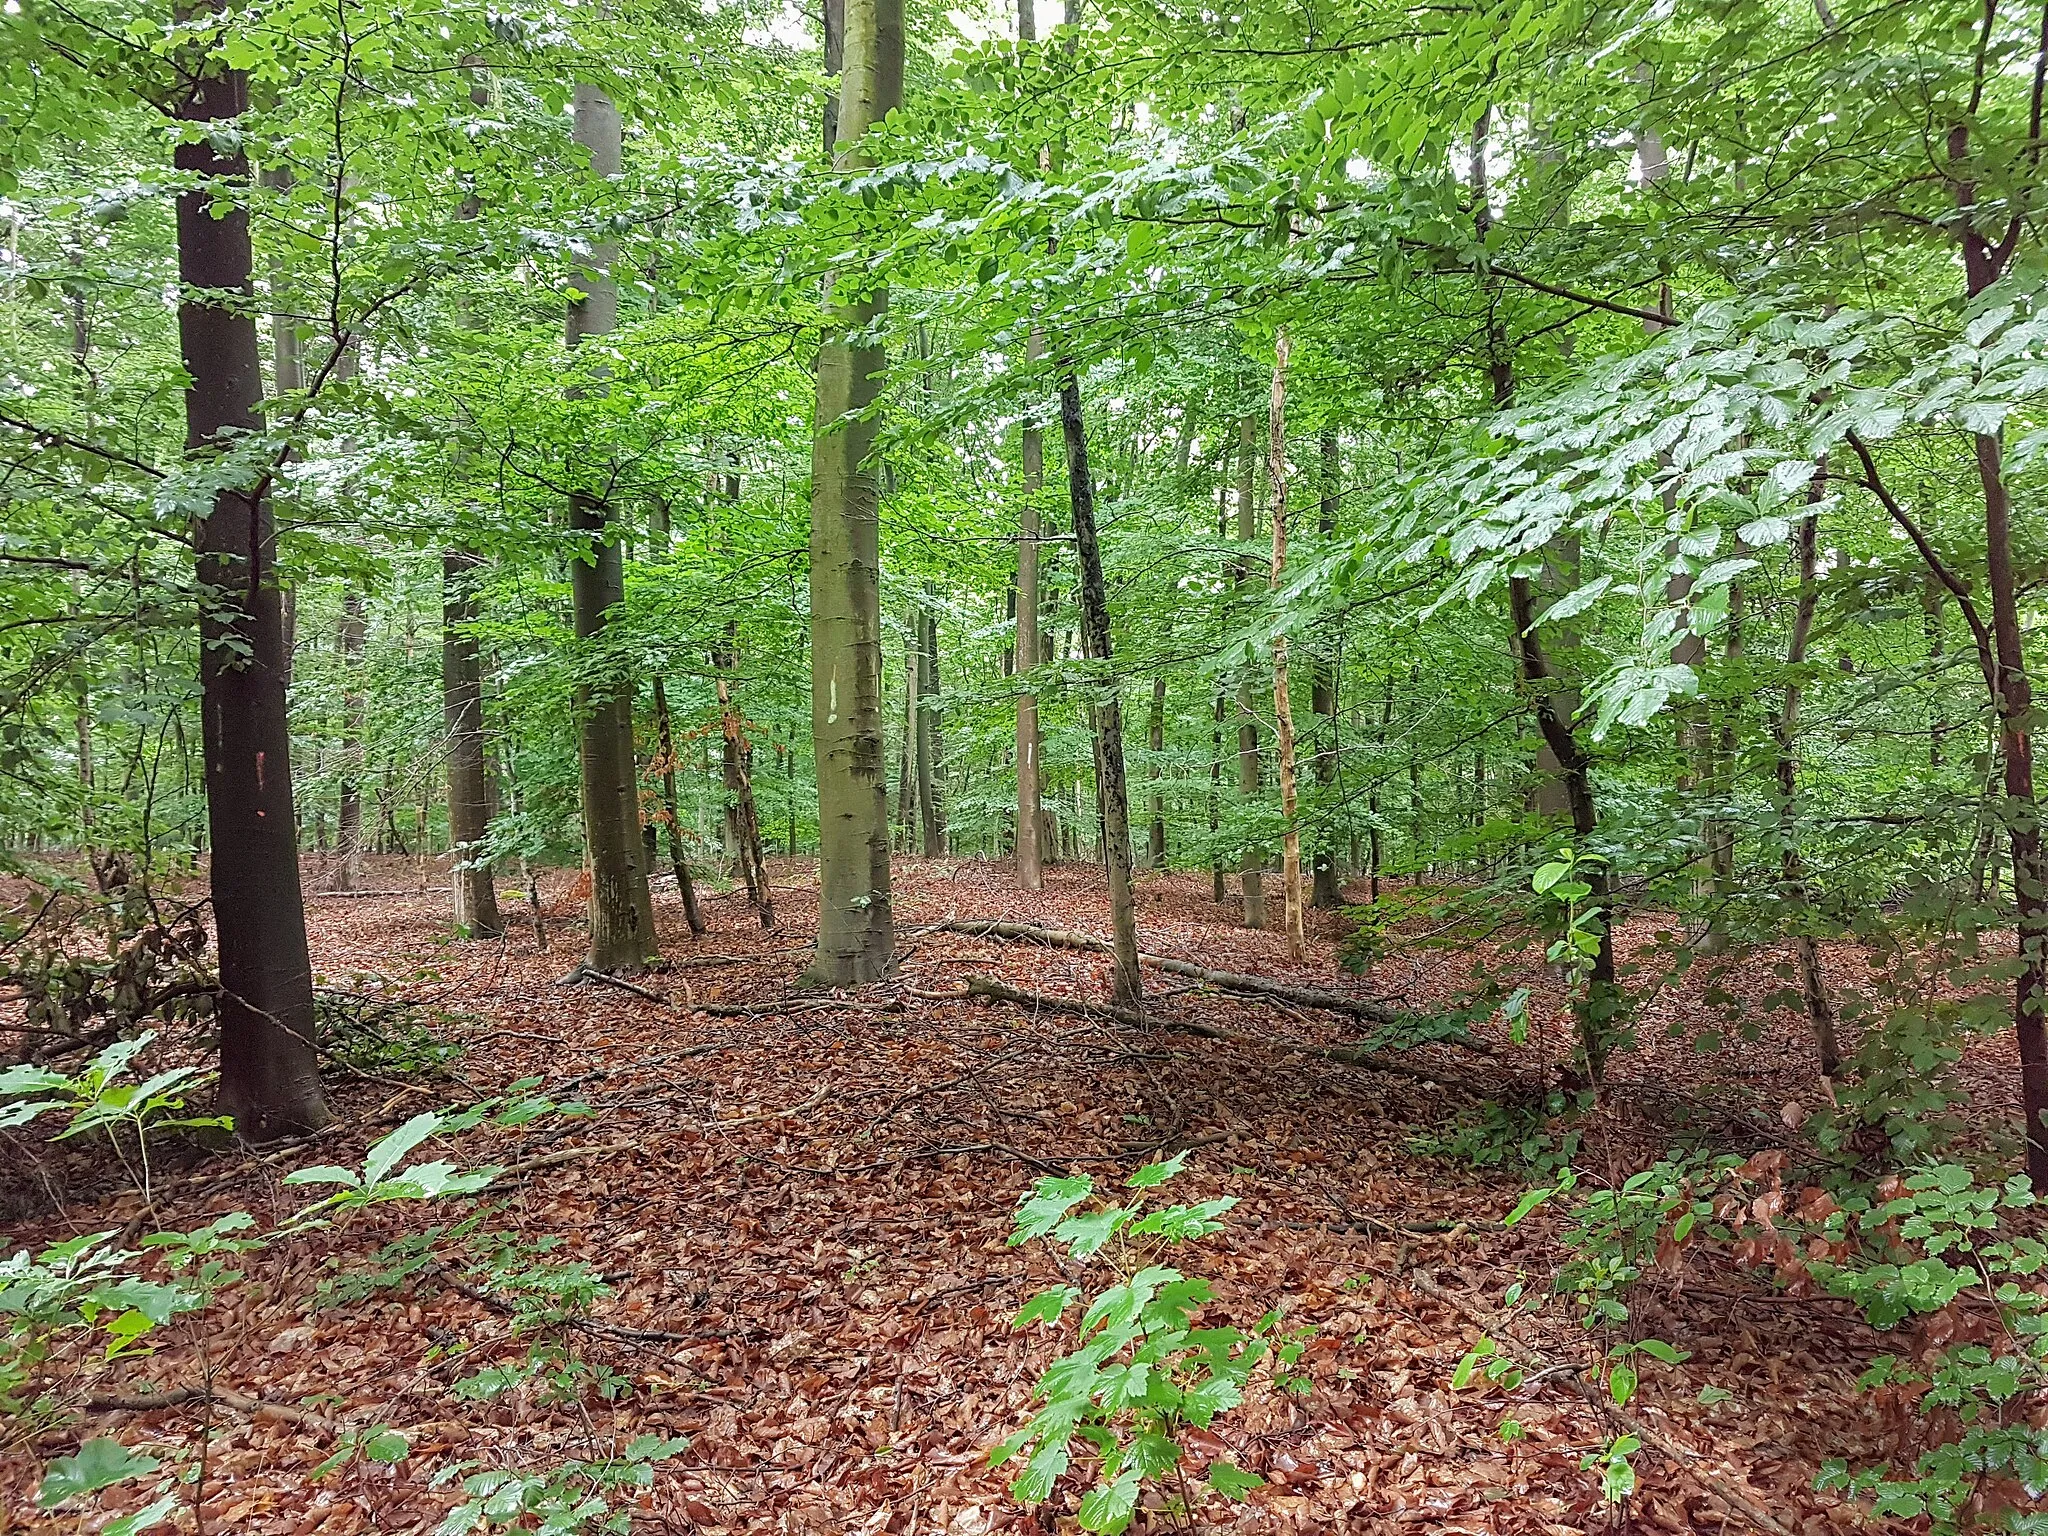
(1106, 711)
(930, 740)
(1327, 891)
(621, 909)
(1155, 741)
(745, 814)
(1252, 863)
(348, 822)
(1219, 890)
(1820, 1012)
(856, 934)
(2013, 696)
(672, 816)
(1283, 707)
(1030, 789)
(1376, 849)
(462, 696)
(269, 1070)
(2022, 817)
(906, 769)
(469, 770)
(1576, 777)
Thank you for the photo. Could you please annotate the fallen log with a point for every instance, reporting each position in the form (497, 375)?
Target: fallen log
(1350, 1056)
(1228, 981)
(240, 1402)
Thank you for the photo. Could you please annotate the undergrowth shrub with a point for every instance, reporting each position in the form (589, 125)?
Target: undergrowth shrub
(93, 1293)
(1141, 1374)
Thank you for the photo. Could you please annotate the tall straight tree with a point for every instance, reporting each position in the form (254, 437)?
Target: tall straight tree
(348, 819)
(1283, 708)
(856, 934)
(462, 711)
(621, 909)
(475, 905)
(1030, 789)
(1107, 712)
(269, 1070)
(1252, 864)
(1328, 891)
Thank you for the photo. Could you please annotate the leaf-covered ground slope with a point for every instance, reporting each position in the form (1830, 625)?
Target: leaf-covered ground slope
(800, 1203)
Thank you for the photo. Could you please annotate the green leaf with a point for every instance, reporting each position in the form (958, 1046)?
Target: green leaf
(1154, 1174)
(1526, 1204)
(1047, 1463)
(1231, 1481)
(1087, 1234)
(1657, 1349)
(1621, 1384)
(1046, 1306)
(386, 1446)
(384, 1156)
(98, 1464)
(324, 1173)
(1047, 1206)
(147, 1518)
(1712, 1395)
(1109, 1506)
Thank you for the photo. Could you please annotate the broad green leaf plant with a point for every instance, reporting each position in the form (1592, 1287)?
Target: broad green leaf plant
(1141, 1373)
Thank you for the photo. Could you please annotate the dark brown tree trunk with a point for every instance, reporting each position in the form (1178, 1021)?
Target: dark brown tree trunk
(2013, 696)
(1576, 778)
(462, 697)
(745, 814)
(672, 817)
(269, 1069)
(1107, 710)
(2021, 814)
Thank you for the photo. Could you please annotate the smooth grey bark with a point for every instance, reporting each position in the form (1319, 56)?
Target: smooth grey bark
(1327, 891)
(348, 821)
(928, 735)
(462, 707)
(621, 908)
(475, 893)
(856, 933)
(1250, 779)
(1155, 741)
(1283, 707)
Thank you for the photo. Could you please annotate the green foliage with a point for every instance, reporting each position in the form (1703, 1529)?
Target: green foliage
(1517, 1134)
(1937, 1247)
(97, 1464)
(567, 1500)
(1141, 1373)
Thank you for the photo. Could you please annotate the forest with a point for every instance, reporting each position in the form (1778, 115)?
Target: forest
(1145, 767)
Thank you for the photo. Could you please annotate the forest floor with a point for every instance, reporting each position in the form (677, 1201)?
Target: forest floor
(801, 1206)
